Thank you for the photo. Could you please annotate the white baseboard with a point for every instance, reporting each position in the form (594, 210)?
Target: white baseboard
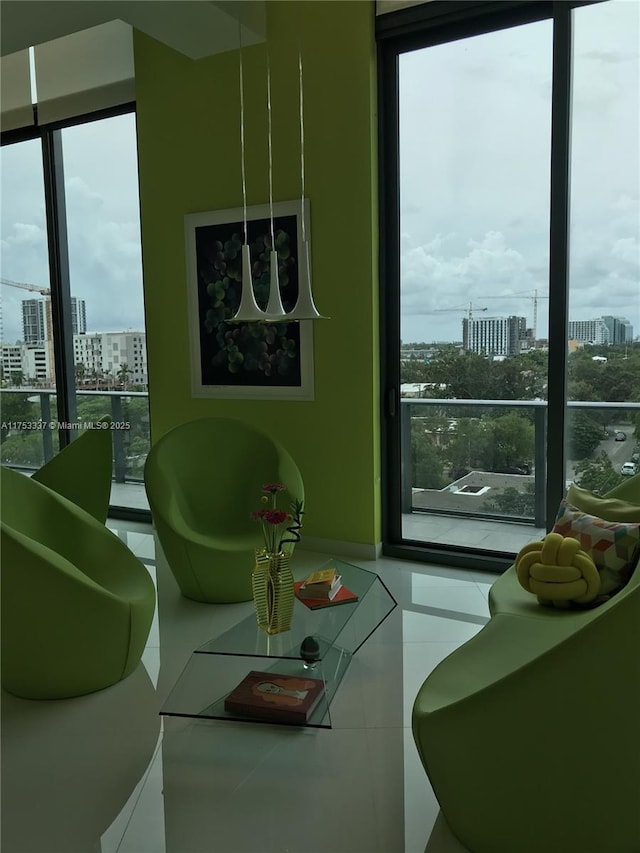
(338, 548)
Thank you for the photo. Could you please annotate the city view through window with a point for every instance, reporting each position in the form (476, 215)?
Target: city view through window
(475, 149)
(105, 276)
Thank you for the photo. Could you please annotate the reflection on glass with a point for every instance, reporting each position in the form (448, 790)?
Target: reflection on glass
(604, 295)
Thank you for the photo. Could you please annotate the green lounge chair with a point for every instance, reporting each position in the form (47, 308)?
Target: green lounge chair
(81, 471)
(203, 480)
(77, 605)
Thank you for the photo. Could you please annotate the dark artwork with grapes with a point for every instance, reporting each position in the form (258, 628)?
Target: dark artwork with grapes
(246, 354)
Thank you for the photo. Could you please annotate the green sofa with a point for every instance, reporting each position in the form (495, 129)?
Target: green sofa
(203, 480)
(529, 731)
(76, 606)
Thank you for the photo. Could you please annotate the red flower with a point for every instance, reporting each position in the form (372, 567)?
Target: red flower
(258, 515)
(274, 516)
(272, 488)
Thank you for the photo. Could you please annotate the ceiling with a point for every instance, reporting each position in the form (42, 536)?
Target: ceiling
(196, 28)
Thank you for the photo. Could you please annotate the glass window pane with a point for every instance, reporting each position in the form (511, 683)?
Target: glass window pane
(105, 269)
(604, 295)
(475, 124)
(28, 391)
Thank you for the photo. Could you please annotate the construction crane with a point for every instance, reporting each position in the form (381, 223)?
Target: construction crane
(524, 294)
(44, 291)
(468, 309)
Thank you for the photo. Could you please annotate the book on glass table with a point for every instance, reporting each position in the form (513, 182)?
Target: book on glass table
(271, 697)
(327, 590)
(342, 596)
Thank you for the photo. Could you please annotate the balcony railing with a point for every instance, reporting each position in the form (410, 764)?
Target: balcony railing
(44, 422)
(412, 408)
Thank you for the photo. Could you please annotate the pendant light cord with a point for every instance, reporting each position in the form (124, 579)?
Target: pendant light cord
(304, 233)
(242, 152)
(273, 236)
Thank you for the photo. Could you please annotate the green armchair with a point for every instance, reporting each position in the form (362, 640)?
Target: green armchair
(76, 604)
(529, 732)
(203, 479)
(81, 471)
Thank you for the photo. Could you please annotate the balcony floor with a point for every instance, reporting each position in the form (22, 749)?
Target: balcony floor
(481, 533)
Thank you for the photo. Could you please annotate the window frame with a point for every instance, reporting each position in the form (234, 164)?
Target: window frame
(419, 27)
(50, 136)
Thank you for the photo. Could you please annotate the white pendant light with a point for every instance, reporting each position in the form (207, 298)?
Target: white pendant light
(275, 310)
(248, 310)
(305, 308)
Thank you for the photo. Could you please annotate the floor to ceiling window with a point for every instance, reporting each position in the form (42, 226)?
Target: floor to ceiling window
(505, 328)
(73, 333)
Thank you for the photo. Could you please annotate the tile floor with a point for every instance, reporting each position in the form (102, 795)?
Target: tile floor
(106, 774)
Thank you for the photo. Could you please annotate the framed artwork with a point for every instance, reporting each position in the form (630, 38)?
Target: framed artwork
(250, 361)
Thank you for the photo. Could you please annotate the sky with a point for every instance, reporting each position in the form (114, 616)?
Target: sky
(474, 153)
(475, 130)
(101, 189)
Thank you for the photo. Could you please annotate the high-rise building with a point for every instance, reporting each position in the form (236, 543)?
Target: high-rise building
(34, 321)
(494, 335)
(78, 317)
(37, 325)
(602, 330)
(620, 329)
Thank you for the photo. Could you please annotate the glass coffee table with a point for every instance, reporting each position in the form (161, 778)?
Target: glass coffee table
(217, 667)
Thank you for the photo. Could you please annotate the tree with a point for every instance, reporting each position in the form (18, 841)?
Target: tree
(598, 475)
(24, 449)
(124, 371)
(511, 442)
(465, 375)
(469, 446)
(15, 408)
(514, 502)
(585, 434)
(426, 467)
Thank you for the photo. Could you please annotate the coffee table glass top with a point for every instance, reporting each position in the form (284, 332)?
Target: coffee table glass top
(215, 668)
(353, 622)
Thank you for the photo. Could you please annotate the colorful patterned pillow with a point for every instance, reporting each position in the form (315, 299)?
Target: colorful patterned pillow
(613, 546)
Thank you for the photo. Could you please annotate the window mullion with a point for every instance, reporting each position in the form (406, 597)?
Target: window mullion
(59, 277)
(559, 256)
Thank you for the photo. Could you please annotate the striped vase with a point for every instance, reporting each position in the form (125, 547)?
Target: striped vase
(273, 591)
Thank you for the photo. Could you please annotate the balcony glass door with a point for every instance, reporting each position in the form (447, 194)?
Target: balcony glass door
(474, 149)
(510, 139)
(602, 439)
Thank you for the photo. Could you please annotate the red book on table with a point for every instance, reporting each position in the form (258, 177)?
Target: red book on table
(343, 596)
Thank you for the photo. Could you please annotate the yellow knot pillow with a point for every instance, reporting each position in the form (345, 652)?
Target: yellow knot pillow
(558, 571)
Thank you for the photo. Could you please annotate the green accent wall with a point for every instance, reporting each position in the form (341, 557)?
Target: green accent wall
(189, 161)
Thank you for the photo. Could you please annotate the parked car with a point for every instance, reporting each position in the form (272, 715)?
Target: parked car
(621, 436)
(628, 469)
